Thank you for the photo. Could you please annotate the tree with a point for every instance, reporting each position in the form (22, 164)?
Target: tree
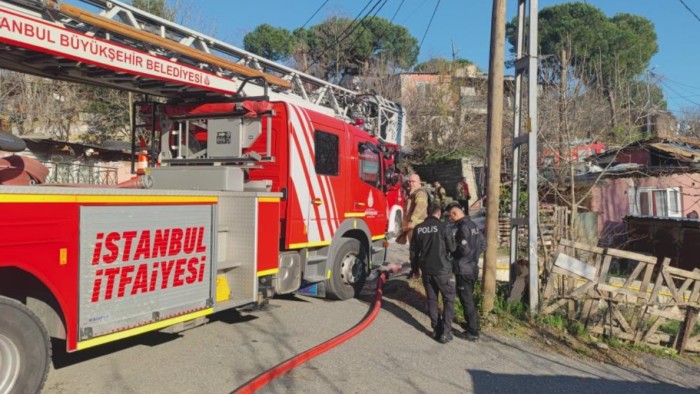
(161, 8)
(606, 52)
(270, 42)
(337, 46)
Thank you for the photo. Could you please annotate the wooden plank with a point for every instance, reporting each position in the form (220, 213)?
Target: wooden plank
(632, 278)
(683, 273)
(672, 287)
(655, 311)
(604, 271)
(618, 290)
(621, 319)
(581, 290)
(687, 329)
(694, 299)
(575, 266)
(652, 330)
(659, 282)
(632, 256)
(584, 247)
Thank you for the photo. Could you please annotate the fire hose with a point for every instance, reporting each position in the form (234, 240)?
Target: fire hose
(266, 377)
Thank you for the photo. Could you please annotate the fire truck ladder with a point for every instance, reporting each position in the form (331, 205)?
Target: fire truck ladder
(113, 49)
(526, 67)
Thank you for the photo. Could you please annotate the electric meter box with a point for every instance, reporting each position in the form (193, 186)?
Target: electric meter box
(228, 137)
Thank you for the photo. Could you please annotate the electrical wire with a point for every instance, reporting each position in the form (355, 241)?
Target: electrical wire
(429, 24)
(690, 10)
(414, 12)
(397, 11)
(364, 27)
(314, 14)
(343, 36)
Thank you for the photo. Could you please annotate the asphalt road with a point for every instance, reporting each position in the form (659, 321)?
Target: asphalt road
(394, 355)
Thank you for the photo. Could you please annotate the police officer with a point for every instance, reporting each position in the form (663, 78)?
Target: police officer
(470, 244)
(431, 248)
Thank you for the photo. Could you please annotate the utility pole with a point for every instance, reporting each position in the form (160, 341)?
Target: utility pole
(648, 103)
(526, 63)
(495, 133)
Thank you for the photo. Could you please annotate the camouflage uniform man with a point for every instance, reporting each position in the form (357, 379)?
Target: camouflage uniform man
(463, 196)
(415, 211)
(440, 195)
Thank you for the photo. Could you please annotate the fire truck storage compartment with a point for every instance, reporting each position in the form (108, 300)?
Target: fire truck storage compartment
(238, 249)
(228, 137)
(222, 178)
(143, 263)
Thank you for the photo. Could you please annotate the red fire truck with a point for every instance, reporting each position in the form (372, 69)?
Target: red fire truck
(258, 183)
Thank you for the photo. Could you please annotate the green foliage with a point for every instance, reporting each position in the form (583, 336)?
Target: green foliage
(108, 119)
(270, 42)
(555, 320)
(377, 41)
(159, 8)
(505, 202)
(638, 96)
(608, 50)
(575, 328)
(441, 65)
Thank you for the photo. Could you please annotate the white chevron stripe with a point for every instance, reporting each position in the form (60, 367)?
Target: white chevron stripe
(307, 156)
(324, 180)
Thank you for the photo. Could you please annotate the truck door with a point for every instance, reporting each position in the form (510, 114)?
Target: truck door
(315, 173)
(366, 185)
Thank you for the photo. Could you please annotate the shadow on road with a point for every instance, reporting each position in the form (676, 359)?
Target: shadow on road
(486, 382)
(62, 359)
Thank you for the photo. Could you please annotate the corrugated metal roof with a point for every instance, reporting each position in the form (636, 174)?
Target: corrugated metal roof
(677, 149)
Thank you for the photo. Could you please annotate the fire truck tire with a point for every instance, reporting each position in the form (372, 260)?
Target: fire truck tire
(25, 349)
(349, 271)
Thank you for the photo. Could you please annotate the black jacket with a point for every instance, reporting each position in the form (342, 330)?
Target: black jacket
(471, 243)
(431, 247)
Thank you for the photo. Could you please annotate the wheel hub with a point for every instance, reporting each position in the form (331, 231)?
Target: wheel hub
(9, 364)
(351, 269)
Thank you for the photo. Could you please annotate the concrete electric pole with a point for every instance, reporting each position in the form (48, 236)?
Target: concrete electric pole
(495, 133)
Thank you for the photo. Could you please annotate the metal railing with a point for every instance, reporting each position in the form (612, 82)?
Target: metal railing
(84, 174)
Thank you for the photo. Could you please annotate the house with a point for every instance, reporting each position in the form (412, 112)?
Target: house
(653, 178)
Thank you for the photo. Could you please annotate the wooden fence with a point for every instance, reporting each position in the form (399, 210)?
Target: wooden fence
(624, 295)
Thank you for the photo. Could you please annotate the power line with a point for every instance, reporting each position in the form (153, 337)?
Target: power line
(678, 94)
(679, 83)
(428, 28)
(314, 14)
(343, 36)
(397, 11)
(689, 10)
(414, 11)
(364, 26)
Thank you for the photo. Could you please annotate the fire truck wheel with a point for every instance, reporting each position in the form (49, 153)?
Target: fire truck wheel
(25, 350)
(349, 270)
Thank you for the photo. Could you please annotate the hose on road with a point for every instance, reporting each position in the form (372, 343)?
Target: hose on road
(266, 377)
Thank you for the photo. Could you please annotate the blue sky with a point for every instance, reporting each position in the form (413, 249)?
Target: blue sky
(467, 22)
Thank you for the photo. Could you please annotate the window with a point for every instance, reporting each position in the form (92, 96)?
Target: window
(368, 163)
(326, 153)
(659, 202)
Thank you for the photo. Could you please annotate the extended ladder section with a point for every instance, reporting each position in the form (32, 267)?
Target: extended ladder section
(122, 47)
